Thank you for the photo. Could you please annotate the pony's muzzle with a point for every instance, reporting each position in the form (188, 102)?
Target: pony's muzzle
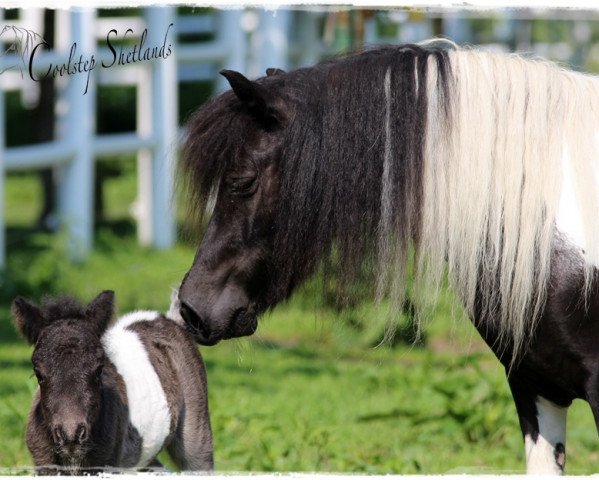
(240, 323)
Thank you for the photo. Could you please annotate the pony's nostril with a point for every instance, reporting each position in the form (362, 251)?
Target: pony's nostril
(81, 435)
(198, 327)
(194, 320)
(58, 435)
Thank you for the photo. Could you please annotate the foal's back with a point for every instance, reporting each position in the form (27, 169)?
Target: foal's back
(166, 387)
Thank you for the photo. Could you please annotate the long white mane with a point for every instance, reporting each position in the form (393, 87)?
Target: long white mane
(514, 156)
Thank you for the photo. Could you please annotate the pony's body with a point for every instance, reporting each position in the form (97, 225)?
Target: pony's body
(485, 164)
(151, 396)
(560, 364)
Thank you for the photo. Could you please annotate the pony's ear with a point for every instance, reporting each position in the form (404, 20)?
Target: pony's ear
(28, 319)
(266, 107)
(101, 309)
(271, 72)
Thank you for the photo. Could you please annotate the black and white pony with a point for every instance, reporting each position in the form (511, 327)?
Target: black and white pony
(112, 395)
(480, 166)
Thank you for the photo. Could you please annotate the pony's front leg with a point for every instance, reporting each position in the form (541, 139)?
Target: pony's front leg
(543, 425)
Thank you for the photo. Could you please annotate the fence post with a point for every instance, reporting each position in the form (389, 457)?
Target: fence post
(309, 38)
(274, 39)
(159, 118)
(456, 27)
(76, 179)
(2, 175)
(232, 34)
(143, 203)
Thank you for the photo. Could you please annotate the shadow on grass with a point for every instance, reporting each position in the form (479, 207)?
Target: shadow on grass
(273, 345)
(21, 239)
(35, 257)
(16, 363)
(32, 262)
(8, 332)
(120, 228)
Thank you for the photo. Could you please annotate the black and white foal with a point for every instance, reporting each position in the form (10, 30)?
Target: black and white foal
(113, 395)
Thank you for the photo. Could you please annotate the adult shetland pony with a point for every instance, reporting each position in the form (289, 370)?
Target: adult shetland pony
(484, 165)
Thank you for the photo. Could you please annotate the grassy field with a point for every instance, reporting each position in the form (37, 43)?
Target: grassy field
(309, 391)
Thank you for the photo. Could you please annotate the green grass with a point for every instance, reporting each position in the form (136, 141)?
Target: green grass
(308, 392)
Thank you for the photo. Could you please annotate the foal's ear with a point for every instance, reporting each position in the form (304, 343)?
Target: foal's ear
(28, 319)
(100, 310)
(263, 105)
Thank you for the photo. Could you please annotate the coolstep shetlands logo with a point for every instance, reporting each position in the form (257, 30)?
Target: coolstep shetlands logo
(27, 46)
(20, 44)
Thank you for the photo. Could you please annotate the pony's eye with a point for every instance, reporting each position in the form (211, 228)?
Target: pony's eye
(242, 185)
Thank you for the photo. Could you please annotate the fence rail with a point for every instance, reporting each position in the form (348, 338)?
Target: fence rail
(247, 40)
(72, 154)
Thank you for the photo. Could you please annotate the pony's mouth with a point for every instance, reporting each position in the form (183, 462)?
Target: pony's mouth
(243, 322)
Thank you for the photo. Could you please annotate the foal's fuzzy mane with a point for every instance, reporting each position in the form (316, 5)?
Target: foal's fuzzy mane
(61, 307)
(447, 159)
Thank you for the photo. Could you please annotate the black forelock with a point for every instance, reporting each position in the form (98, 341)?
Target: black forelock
(62, 307)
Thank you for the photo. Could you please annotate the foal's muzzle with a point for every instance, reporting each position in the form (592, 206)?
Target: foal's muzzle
(70, 440)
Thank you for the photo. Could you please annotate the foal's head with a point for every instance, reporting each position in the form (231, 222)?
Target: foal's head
(68, 360)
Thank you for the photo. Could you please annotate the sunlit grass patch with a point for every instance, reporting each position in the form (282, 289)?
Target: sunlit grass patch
(312, 390)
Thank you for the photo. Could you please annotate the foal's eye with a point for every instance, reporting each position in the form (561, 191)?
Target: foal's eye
(98, 373)
(242, 186)
(38, 375)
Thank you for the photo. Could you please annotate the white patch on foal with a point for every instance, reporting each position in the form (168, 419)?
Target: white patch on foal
(174, 311)
(541, 455)
(148, 409)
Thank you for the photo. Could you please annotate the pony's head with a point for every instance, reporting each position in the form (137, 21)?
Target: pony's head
(303, 167)
(233, 152)
(68, 360)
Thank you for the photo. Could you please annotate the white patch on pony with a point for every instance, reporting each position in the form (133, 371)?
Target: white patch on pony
(540, 455)
(568, 220)
(148, 408)
(569, 215)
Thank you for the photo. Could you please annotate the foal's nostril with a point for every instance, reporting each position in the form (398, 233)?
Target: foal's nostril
(81, 435)
(59, 435)
(70, 436)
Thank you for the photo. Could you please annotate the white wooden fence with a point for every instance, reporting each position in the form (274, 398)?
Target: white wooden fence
(247, 40)
(73, 152)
